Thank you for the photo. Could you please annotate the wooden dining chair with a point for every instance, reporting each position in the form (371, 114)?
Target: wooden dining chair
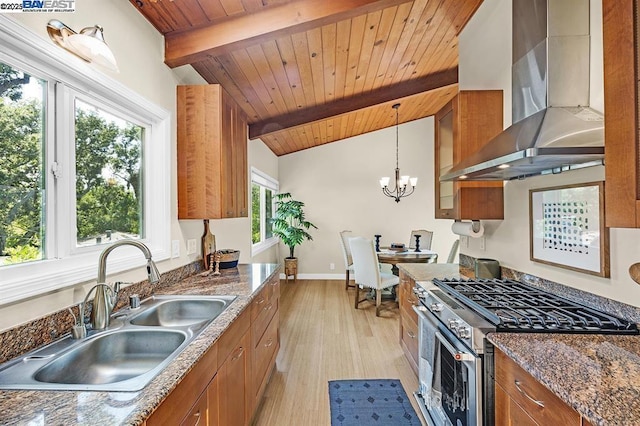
(367, 271)
(425, 239)
(454, 251)
(348, 261)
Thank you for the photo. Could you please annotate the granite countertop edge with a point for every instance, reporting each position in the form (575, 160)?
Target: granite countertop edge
(133, 408)
(597, 375)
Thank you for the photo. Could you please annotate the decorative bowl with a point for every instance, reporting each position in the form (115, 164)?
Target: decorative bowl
(229, 258)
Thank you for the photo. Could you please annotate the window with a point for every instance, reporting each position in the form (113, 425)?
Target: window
(108, 176)
(263, 188)
(22, 148)
(83, 162)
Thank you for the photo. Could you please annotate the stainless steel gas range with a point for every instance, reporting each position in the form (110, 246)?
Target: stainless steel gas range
(456, 360)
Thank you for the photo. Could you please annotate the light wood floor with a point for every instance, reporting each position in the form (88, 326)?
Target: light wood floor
(324, 338)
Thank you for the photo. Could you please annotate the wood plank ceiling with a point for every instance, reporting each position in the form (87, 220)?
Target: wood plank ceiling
(311, 72)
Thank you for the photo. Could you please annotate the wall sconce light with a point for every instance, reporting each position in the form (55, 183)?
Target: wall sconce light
(88, 44)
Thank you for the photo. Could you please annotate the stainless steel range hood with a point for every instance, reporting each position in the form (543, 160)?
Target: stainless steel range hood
(554, 130)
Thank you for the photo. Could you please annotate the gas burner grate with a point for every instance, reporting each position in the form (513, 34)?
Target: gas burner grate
(514, 306)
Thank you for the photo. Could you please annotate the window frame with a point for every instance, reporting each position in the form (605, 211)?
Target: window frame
(66, 76)
(265, 182)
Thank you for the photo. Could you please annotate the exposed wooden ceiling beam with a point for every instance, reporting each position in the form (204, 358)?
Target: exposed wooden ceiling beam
(239, 32)
(347, 105)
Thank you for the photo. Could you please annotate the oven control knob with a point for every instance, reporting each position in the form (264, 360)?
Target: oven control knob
(453, 324)
(463, 356)
(463, 332)
(437, 307)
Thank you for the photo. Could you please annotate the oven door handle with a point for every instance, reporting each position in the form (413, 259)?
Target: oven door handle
(457, 355)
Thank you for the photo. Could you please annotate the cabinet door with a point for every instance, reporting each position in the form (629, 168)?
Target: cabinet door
(228, 167)
(214, 402)
(462, 127)
(622, 153)
(199, 110)
(233, 375)
(240, 163)
(444, 161)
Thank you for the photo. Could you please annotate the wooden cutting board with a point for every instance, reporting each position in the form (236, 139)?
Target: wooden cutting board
(634, 271)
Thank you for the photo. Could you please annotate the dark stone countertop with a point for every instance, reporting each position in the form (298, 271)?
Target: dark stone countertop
(599, 376)
(21, 407)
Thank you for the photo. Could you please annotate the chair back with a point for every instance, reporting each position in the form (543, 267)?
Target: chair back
(425, 239)
(365, 262)
(346, 248)
(454, 251)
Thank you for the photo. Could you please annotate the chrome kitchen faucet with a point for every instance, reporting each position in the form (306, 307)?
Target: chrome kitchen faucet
(104, 303)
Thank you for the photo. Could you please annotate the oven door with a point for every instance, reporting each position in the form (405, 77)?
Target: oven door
(449, 375)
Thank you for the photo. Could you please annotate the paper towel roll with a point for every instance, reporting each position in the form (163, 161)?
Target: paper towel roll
(466, 229)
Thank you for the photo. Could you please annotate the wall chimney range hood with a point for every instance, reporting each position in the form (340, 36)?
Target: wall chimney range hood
(554, 129)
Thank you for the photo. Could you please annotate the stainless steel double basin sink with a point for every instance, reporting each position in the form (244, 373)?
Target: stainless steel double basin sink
(138, 344)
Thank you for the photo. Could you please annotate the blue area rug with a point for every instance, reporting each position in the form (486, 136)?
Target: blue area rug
(370, 402)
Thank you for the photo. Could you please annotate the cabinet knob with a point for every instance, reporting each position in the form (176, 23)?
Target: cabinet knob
(197, 416)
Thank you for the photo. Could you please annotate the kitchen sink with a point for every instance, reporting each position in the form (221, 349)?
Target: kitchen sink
(137, 346)
(183, 311)
(112, 357)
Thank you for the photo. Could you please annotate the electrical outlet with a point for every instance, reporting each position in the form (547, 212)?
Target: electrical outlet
(175, 248)
(482, 244)
(191, 246)
(332, 266)
(465, 241)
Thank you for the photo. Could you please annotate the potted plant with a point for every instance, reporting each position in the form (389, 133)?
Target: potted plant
(290, 225)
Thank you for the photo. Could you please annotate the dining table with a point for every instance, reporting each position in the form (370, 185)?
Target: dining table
(393, 257)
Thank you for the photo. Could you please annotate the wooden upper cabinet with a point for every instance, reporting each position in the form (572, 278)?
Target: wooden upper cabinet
(212, 154)
(622, 145)
(463, 126)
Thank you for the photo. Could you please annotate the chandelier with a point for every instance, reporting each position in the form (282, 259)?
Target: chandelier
(400, 190)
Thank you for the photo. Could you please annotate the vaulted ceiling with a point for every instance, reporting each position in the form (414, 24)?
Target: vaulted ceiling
(311, 72)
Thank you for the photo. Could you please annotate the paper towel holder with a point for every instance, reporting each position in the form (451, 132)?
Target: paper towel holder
(475, 224)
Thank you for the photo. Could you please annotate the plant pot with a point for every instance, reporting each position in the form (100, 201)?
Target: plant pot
(291, 268)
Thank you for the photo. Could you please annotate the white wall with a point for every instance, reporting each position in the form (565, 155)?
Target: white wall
(338, 183)
(485, 63)
(138, 48)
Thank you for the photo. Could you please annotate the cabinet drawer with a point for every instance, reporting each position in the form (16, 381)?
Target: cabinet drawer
(409, 330)
(259, 302)
(523, 389)
(199, 412)
(262, 321)
(175, 408)
(263, 353)
(274, 285)
(407, 301)
(230, 339)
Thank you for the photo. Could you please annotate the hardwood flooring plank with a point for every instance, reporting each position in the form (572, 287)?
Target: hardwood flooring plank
(322, 338)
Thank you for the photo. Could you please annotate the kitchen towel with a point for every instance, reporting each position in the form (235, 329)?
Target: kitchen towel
(370, 402)
(466, 229)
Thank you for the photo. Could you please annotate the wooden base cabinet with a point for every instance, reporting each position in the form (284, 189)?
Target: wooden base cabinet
(225, 387)
(190, 400)
(265, 336)
(408, 320)
(462, 127)
(520, 400)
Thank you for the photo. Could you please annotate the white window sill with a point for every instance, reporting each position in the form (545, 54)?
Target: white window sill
(263, 246)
